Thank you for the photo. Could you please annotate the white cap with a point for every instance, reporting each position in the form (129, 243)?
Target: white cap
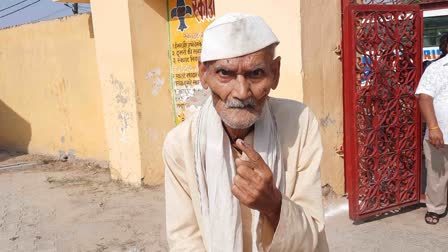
(234, 35)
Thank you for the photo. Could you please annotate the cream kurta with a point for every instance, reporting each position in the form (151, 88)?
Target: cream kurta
(301, 225)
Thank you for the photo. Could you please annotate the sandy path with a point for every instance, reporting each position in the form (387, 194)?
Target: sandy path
(74, 206)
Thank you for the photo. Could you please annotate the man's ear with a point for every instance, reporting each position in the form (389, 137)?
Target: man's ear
(203, 74)
(276, 71)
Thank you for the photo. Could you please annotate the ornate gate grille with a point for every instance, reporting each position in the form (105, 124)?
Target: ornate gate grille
(393, 1)
(382, 66)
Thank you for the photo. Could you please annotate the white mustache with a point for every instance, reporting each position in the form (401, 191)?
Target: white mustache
(235, 103)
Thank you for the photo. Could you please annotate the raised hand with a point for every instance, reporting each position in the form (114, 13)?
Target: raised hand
(253, 184)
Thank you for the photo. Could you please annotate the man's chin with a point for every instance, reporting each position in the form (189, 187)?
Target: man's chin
(239, 124)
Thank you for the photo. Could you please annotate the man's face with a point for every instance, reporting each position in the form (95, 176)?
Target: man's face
(240, 86)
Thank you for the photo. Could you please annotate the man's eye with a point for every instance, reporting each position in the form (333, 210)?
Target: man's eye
(257, 73)
(223, 72)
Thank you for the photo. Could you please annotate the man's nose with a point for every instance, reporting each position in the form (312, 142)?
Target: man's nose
(241, 89)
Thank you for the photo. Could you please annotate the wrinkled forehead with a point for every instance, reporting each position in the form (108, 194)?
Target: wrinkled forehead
(262, 58)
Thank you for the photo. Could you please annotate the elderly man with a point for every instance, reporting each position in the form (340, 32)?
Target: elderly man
(243, 174)
(433, 99)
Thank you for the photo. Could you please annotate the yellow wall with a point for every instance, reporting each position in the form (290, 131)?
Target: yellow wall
(149, 31)
(132, 44)
(61, 85)
(284, 19)
(116, 71)
(322, 84)
(50, 99)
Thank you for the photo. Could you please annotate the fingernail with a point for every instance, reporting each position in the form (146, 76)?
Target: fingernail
(243, 143)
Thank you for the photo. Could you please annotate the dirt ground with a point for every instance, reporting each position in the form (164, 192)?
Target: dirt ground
(74, 206)
(50, 205)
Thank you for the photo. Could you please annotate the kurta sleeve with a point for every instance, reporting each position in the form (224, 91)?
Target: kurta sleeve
(301, 224)
(182, 228)
(430, 82)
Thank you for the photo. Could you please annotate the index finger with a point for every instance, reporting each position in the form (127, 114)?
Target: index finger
(248, 150)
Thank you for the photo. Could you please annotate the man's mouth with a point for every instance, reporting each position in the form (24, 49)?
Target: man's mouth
(241, 104)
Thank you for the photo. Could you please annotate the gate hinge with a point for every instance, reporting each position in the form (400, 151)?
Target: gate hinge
(340, 151)
(338, 51)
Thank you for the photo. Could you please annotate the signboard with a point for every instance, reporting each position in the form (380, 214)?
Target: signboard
(431, 53)
(187, 21)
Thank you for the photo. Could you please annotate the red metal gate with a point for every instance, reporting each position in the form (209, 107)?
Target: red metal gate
(382, 145)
